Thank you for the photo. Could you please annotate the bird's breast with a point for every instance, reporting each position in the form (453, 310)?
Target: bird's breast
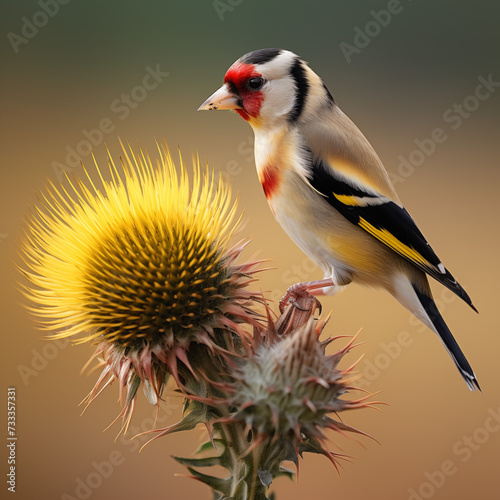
(270, 178)
(277, 152)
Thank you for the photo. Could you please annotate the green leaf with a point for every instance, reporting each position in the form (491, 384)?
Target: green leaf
(311, 446)
(199, 462)
(209, 446)
(283, 471)
(188, 422)
(216, 483)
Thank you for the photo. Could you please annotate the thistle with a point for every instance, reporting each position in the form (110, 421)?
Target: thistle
(284, 398)
(142, 267)
(288, 389)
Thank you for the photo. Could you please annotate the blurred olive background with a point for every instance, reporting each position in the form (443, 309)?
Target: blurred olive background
(83, 68)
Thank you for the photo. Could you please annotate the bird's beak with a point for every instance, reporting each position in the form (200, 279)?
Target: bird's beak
(221, 99)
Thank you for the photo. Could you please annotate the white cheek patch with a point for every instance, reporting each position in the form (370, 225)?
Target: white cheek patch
(280, 87)
(279, 98)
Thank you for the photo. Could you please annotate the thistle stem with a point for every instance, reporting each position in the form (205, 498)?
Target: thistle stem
(245, 483)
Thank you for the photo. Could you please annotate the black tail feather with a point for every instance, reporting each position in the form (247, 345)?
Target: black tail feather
(452, 284)
(448, 340)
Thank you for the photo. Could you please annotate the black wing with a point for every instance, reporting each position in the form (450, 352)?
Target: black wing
(385, 220)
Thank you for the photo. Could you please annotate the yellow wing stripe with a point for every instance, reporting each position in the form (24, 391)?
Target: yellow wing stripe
(392, 242)
(348, 200)
(360, 201)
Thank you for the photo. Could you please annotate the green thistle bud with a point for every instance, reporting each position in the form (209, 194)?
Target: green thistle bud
(278, 404)
(288, 390)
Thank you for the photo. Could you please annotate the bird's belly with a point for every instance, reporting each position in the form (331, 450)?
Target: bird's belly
(341, 249)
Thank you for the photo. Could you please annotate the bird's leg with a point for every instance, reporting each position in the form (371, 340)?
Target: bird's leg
(305, 290)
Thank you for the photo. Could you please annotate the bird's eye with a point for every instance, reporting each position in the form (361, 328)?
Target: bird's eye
(255, 83)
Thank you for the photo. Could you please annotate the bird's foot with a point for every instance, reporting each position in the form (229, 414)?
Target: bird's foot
(301, 295)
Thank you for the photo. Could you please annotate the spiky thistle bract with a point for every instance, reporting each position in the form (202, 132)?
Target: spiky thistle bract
(281, 399)
(289, 389)
(141, 266)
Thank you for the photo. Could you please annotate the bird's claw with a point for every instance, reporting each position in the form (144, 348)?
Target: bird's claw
(300, 298)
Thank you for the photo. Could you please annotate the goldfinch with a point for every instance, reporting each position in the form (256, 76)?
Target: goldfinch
(328, 189)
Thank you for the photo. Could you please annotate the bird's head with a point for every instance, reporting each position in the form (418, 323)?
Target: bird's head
(268, 86)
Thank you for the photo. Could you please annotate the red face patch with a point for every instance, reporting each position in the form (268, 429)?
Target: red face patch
(237, 76)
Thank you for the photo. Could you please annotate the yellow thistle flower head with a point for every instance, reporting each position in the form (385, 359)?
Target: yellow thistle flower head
(141, 266)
